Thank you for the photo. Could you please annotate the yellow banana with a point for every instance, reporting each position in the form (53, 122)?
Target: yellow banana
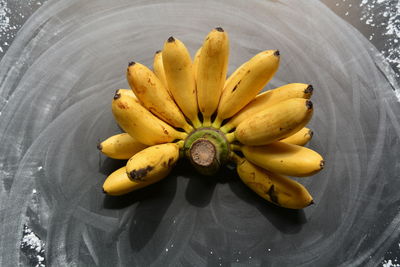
(286, 159)
(179, 74)
(153, 163)
(300, 138)
(277, 189)
(211, 72)
(267, 99)
(246, 83)
(140, 123)
(154, 96)
(128, 92)
(196, 63)
(274, 123)
(158, 68)
(120, 146)
(118, 183)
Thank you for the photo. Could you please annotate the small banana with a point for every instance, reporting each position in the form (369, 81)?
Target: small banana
(267, 99)
(300, 138)
(153, 163)
(196, 63)
(274, 123)
(118, 183)
(211, 72)
(154, 96)
(120, 146)
(277, 189)
(246, 83)
(158, 68)
(179, 74)
(286, 159)
(140, 123)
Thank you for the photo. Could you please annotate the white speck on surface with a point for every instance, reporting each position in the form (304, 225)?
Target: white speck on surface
(33, 247)
(166, 250)
(40, 168)
(389, 263)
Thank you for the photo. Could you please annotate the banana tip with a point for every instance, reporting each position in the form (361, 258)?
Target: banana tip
(99, 146)
(309, 89)
(117, 95)
(131, 63)
(158, 51)
(171, 39)
(310, 133)
(219, 29)
(311, 202)
(309, 104)
(276, 53)
(322, 164)
(104, 191)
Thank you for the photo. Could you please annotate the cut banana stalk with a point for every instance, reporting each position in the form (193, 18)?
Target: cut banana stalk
(274, 123)
(300, 138)
(179, 74)
(277, 189)
(268, 99)
(120, 146)
(154, 96)
(153, 163)
(246, 83)
(211, 72)
(140, 123)
(286, 159)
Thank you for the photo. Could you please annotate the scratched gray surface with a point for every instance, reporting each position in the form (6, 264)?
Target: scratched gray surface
(57, 80)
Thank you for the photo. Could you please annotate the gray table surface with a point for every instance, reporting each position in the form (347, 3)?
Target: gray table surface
(368, 17)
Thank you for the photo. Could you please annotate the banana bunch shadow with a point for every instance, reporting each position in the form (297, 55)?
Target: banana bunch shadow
(198, 193)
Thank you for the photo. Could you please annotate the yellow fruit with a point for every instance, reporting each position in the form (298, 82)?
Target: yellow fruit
(196, 62)
(153, 163)
(246, 83)
(158, 68)
(277, 189)
(300, 138)
(118, 183)
(154, 96)
(120, 146)
(179, 74)
(286, 159)
(211, 72)
(274, 123)
(268, 99)
(139, 123)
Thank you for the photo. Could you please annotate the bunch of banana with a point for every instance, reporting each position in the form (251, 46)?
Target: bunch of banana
(187, 108)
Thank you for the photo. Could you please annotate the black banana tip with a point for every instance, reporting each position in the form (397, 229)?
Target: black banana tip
(309, 104)
(322, 164)
(276, 53)
(131, 63)
(99, 146)
(158, 51)
(219, 29)
(171, 39)
(117, 95)
(104, 191)
(310, 133)
(309, 89)
(311, 202)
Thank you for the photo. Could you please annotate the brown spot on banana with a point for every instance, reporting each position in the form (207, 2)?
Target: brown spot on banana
(138, 175)
(272, 194)
(121, 105)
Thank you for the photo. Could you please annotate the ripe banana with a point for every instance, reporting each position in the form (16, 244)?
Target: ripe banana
(140, 123)
(154, 96)
(277, 189)
(286, 159)
(127, 92)
(267, 99)
(300, 138)
(211, 72)
(179, 74)
(152, 163)
(246, 83)
(118, 183)
(158, 68)
(120, 146)
(274, 123)
(196, 63)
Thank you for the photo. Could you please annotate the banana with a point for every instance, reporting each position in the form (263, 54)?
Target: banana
(154, 96)
(211, 72)
(179, 74)
(267, 99)
(152, 163)
(286, 159)
(196, 63)
(127, 92)
(140, 123)
(274, 123)
(120, 146)
(300, 138)
(246, 83)
(118, 183)
(158, 68)
(277, 189)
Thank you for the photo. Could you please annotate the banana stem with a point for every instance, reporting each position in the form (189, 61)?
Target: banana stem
(235, 158)
(180, 144)
(230, 137)
(217, 123)
(226, 128)
(236, 147)
(188, 128)
(196, 123)
(206, 121)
